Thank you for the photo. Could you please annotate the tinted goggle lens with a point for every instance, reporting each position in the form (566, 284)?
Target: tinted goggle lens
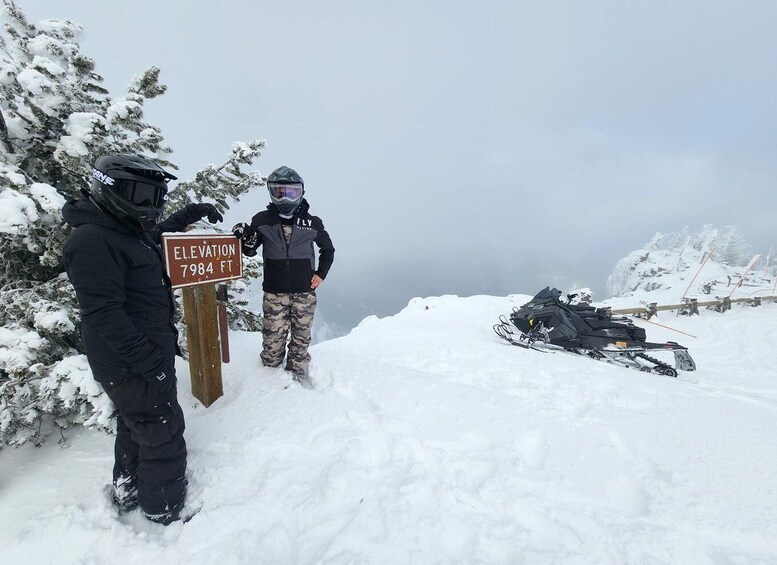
(288, 191)
(148, 194)
(142, 193)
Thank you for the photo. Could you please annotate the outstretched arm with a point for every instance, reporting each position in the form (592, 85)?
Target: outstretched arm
(189, 214)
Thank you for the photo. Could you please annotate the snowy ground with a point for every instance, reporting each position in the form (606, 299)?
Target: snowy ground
(428, 440)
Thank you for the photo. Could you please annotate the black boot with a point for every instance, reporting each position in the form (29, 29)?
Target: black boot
(125, 494)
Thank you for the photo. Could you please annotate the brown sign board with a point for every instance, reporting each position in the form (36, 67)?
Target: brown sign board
(198, 259)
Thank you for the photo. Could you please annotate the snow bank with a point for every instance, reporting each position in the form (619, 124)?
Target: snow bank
(429, 440)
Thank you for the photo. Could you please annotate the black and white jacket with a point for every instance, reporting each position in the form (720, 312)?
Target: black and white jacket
(289, 267)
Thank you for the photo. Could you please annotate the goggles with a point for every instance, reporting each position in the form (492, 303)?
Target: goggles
(141, 193)
(285, 191)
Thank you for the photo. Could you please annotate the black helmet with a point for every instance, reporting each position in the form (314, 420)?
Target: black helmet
(130, 187)
(286, 189)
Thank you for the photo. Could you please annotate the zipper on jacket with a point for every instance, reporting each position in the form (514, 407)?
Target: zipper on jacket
(166, 283)
(288, 246)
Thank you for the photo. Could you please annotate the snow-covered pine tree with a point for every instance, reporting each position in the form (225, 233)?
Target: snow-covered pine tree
(731, 248)
(222, 183)
(55, 119)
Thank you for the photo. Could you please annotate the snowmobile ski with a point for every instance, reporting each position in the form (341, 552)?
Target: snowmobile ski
(505, 330)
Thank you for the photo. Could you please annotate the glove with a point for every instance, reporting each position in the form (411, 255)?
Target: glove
(240, 230)
(199, 211)
(246, 234)
(161, 378)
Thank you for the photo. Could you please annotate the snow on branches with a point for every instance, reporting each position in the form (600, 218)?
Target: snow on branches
(56, 118)
(224, 182)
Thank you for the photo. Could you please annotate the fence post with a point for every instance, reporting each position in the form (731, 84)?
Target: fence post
(221, 299)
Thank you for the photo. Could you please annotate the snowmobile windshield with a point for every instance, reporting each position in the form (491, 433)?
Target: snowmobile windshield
(290, 192)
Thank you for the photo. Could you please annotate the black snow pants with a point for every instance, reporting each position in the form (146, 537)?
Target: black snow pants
(150, 452)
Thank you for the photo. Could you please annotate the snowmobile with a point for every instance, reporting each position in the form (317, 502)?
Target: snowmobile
(547, 324)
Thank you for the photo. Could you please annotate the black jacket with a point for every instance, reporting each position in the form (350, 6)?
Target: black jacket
(289, 267)
(124, 293)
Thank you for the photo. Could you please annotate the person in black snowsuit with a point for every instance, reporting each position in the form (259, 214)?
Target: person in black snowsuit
(287, 233)
(114, 262)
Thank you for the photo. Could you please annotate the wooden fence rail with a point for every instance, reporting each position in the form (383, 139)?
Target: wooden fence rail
(691, 305)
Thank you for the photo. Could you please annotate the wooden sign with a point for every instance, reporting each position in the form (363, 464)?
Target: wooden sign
(195, 263)
(197, 259)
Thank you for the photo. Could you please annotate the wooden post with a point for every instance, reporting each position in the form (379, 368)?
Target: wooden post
(750, 265)
(704, 260)
(201, 315)
(221, 300)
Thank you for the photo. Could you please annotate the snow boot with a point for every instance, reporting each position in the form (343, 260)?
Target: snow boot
(303, 380)
(183, 515)
(124, 494)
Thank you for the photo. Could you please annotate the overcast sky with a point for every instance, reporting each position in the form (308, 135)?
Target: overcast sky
(468, 147)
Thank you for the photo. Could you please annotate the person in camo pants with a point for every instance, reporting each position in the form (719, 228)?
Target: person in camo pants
(287, 233)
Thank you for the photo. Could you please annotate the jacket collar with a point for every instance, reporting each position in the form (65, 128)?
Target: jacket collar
(84, 211)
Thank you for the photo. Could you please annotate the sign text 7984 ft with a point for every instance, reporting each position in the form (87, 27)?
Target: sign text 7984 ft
(199, 259)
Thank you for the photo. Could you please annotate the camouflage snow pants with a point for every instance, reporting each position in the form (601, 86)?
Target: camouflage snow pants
(288, 318)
